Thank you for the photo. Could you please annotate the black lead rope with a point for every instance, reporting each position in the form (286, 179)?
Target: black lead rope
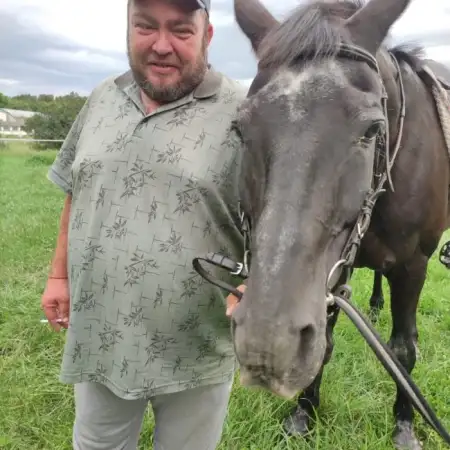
(389, 361)
(223, 262)
(342, 299)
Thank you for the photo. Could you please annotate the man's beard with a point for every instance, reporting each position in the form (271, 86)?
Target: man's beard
(167, 94)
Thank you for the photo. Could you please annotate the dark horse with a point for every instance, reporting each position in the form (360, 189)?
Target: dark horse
(310, 127)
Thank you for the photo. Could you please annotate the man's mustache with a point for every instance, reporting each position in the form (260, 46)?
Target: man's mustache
(165, 61)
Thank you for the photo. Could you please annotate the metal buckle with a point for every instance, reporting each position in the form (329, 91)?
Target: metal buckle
(238, 271)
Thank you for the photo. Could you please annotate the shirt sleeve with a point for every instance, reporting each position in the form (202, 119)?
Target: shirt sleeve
(60, 171)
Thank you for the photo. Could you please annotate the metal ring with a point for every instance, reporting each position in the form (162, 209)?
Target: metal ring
(246, 253)
(360, 234)
(340, 263)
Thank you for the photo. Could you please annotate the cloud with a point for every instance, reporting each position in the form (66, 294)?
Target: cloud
(8, 82)
(58, 46)
(246, 81)
(28, 56)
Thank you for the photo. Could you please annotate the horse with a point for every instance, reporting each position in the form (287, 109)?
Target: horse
(331, 110)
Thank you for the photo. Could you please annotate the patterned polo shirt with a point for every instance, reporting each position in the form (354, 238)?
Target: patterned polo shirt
(149, 193)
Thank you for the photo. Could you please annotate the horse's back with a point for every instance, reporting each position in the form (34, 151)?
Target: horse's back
(441, 72)
(416, 213)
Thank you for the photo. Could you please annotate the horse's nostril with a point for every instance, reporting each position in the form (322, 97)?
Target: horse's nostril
(307, 336)
(307, 333)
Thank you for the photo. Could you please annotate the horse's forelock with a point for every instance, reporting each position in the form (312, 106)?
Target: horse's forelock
(313, 29)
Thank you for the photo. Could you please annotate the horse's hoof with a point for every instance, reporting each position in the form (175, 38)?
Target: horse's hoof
(404, 437)
(298, 423)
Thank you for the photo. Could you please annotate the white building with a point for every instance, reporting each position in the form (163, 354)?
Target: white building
(12, 121)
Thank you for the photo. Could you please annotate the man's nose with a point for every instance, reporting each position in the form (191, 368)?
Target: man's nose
(162, 45)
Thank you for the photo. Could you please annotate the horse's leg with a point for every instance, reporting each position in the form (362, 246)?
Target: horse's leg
(300, 421)
(406, 283)
(377, 299)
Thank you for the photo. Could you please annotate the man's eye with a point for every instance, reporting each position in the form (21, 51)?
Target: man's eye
(183, 32)
(145, 26)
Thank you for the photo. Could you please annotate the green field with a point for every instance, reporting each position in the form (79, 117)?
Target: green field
(36, 411)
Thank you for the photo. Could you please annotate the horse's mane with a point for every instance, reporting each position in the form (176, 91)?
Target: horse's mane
(315, 30)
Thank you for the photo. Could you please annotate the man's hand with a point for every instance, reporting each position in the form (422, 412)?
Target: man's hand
(232, 300)
(56, 302)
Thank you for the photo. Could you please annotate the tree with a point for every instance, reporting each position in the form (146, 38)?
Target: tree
(55, 118)
(25, 102)
(3, 100)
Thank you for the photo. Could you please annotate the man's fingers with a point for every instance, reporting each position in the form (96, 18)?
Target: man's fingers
(52, 316)
(232, 300)
(55, 316)
(63, 315)
(50, 312)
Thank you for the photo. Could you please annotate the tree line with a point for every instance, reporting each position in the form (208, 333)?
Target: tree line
(57, 113)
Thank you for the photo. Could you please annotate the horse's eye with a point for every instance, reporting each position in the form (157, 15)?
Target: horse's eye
(372, 132)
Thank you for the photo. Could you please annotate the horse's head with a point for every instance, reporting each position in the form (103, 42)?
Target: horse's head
(309, 126)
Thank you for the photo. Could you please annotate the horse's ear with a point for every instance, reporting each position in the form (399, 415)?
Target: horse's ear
(254, 20)
(370, 25)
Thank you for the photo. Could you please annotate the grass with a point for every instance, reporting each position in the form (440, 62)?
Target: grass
(36, 411)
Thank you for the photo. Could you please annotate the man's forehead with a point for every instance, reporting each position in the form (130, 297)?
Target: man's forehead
(173, 15)
(185, 6)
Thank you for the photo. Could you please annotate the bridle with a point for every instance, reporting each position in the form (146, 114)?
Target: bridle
(338, 292)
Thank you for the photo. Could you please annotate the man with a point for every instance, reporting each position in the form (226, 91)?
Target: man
(149, 170)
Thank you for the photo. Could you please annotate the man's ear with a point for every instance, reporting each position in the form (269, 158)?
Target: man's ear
(209, 30)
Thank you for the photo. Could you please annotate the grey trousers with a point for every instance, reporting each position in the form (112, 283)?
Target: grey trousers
(187, 420)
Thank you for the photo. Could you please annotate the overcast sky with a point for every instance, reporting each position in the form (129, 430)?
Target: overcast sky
(58, 46)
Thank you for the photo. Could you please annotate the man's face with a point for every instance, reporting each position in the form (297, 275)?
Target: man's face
(167, 48)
